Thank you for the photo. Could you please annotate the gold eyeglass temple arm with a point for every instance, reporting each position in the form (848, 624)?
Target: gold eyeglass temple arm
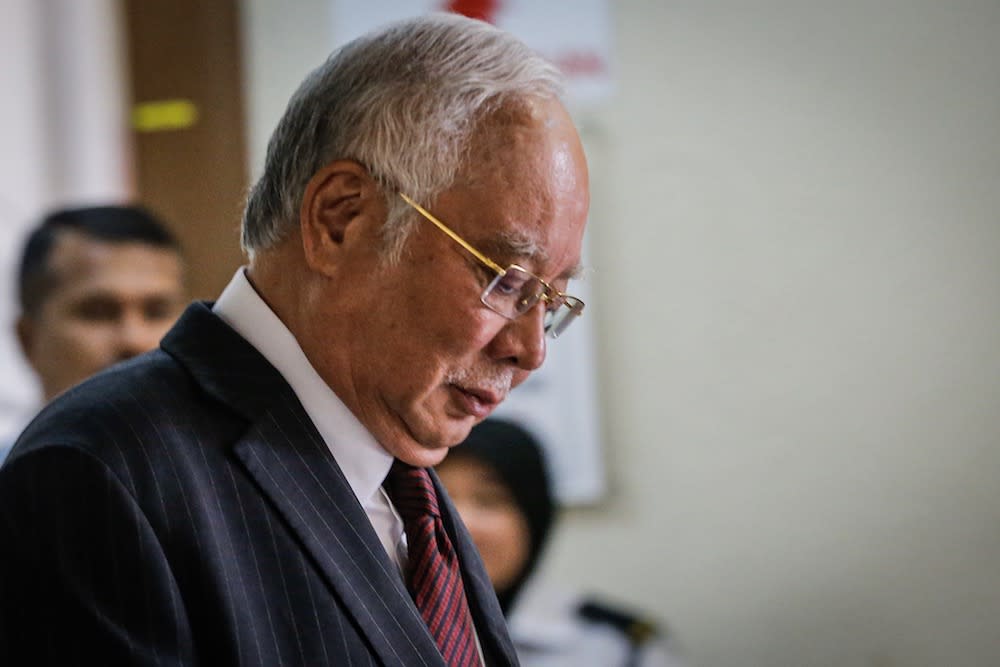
(458, 239)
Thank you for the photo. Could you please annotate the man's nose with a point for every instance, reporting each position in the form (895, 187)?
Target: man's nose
(522, 340)
(136, 335)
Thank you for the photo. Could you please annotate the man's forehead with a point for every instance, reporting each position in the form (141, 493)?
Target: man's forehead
(525, 178)
(522, 223)
(76, 256)
(72, 245)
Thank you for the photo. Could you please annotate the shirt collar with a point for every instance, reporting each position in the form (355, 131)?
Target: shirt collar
(363, 460)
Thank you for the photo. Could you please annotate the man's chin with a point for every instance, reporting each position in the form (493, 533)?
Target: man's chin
(451, 434)
(423, 458)
(428, 444)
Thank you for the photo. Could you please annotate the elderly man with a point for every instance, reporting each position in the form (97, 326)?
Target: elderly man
(256, 492)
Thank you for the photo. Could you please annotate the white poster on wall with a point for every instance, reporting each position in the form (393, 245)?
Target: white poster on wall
(559, 403)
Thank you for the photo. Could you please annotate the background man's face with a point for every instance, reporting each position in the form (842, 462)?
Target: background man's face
(110, 302)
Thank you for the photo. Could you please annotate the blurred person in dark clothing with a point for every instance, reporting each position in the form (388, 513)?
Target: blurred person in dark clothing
(500, 483)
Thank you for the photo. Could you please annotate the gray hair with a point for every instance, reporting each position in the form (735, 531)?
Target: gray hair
(406, 102)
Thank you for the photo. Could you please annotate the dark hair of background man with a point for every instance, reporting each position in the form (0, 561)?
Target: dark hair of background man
(112, 224)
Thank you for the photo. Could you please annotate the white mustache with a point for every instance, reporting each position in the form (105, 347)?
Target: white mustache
(467, 378)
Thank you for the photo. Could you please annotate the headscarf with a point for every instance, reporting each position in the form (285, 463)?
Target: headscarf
(519, 462)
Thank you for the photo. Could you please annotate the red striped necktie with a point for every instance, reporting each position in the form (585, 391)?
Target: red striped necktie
(432, 573)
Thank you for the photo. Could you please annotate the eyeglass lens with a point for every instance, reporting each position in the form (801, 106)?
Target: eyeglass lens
(517, 291)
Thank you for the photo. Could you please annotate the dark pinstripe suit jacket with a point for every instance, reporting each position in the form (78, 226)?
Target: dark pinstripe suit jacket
(181, 509)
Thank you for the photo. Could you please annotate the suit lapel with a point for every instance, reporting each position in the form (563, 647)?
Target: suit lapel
(287, 458)
(296, 471)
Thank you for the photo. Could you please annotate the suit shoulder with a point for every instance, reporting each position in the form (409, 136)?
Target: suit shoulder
(145, 379)
(129, 402)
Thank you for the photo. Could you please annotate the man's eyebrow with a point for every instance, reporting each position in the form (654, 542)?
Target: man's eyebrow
(516, 244)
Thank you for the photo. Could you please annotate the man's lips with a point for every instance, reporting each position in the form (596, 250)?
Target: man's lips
(477, 401)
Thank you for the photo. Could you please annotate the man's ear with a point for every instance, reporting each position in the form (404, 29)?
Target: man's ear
(335, 197)
(25, 330)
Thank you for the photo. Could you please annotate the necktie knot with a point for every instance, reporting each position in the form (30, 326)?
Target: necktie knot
(411, 491)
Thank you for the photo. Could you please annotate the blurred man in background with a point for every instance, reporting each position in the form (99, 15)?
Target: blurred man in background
(96, 286)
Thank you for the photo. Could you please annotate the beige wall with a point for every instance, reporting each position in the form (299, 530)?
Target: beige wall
(797, 277)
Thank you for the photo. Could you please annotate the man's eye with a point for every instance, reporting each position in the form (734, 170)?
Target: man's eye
(511, 284)
(158, 309)
(98, 310)
(507, 286)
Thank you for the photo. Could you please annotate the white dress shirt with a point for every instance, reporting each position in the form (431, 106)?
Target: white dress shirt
(363, 460)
